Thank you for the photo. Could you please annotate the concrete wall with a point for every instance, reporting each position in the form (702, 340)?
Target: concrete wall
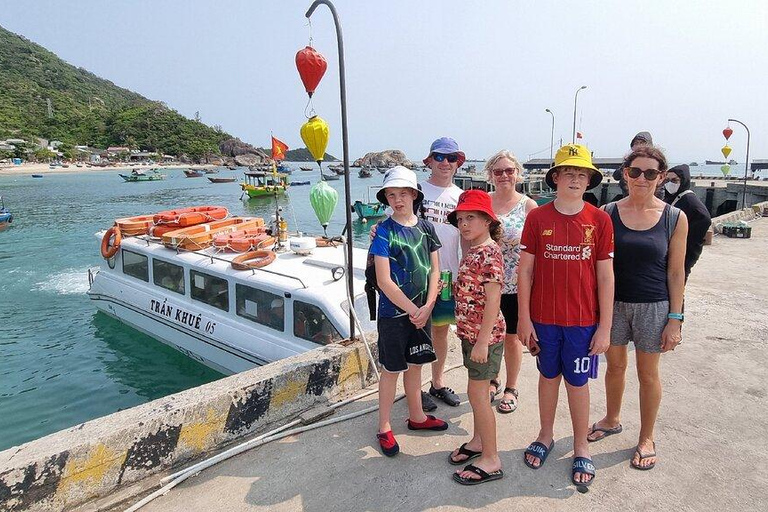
(746, 214)
(93, 459)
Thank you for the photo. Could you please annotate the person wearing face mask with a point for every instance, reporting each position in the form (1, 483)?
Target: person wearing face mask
(677, 192)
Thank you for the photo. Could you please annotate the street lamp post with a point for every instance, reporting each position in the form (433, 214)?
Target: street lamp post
(552, 136)
(575, 98)
(345, 149)
(746, 165)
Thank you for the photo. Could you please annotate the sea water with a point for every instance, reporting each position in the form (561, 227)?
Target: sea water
(62, 362)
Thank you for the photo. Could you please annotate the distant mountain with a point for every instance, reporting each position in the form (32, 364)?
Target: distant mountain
(301, 155)
(43, 96)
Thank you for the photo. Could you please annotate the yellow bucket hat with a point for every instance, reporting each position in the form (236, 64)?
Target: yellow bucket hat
(574, 155)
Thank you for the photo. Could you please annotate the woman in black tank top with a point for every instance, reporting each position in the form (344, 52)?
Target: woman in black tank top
(649, 271)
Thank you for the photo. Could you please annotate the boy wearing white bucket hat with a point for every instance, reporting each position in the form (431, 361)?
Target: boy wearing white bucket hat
(404, 251)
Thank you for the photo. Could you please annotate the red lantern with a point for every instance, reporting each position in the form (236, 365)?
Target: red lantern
(727, 133)
(311, 66)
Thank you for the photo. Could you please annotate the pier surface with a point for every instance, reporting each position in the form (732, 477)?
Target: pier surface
(710, 435)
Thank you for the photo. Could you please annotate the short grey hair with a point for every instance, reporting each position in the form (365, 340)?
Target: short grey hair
(504, 153)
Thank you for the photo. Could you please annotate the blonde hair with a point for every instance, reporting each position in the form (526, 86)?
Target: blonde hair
(504, 153)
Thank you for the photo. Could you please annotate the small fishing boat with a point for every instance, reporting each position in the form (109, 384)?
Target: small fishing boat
(365, 173)
(284, 169)
(37, 175)
(194, 173)
(232, 168)
(369, 210)
(299, 183)
(303, 168)
(6, 217)
(221, 180)
(330, 177)
(140, 175)
(211, 171)
(261, 184)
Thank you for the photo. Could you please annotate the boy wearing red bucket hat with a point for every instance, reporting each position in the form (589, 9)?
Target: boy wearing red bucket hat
(481, 329)
(565, 296)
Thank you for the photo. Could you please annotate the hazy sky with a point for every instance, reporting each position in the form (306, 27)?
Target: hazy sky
(481, 72)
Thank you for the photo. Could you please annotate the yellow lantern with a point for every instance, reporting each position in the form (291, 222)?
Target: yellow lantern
(726, 151)
(314, 133)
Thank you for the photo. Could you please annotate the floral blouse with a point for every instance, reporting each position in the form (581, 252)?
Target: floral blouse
(512, 224)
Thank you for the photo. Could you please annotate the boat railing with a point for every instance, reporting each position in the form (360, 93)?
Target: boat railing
(214, 257)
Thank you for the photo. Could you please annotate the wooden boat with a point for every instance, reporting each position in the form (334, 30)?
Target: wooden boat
(6, 217)
(139, 175)
(299, 183)
(305, 168)
(261, 184)
(369, 210)
(37, 175)
(221, 180)
(200, 236)
(211, 171)
(193, 173)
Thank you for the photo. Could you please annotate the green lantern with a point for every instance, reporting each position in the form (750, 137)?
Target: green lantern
(323, 199)
(725, 169)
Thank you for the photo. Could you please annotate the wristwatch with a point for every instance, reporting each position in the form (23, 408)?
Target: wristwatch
(676, 316)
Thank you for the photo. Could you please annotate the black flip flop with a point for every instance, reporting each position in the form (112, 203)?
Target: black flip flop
(484, 476)
(606, 432)
(463, 450)
(641, 457)
(539, 450)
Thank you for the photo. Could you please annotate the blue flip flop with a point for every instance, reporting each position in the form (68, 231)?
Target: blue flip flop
(584, 466)
(539, 450)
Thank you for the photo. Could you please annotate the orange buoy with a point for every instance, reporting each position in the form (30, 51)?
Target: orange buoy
(192, 216)
(109, 247)
(132, 226)
(253, 259)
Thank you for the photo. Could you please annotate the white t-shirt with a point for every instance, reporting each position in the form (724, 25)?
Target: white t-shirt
(438, 203)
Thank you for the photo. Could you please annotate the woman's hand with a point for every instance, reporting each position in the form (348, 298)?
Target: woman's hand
(479, 352)
(672, 335)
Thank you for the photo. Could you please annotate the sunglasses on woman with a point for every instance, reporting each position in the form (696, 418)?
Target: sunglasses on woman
(650, 174)
(439, 157)
(510, 171)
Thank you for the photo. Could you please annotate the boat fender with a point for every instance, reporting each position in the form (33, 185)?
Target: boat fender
(253, 259)
(108, 247)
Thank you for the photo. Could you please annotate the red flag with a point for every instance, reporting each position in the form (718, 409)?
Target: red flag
(579, 135)
(278, 149)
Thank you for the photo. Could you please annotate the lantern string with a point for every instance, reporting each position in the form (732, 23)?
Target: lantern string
(309, 20)
(309, 109)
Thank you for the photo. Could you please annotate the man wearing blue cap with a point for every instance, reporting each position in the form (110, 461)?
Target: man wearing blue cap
(440, 198)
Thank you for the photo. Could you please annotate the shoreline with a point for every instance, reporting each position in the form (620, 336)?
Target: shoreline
(28, 168)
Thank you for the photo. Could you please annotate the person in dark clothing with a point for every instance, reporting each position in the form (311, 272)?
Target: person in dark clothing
(618, 174)
(677, 192)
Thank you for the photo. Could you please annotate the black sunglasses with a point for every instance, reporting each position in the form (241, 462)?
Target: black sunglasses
(650, 174)
(439, 157)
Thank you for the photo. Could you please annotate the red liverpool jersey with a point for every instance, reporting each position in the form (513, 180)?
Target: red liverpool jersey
(566, 250)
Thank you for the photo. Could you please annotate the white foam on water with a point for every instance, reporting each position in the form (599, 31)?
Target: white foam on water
(67, 282)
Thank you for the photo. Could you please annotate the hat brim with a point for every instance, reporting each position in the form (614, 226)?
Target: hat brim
(594, 180)
(460, 161)
(451, 217)
(398, 183)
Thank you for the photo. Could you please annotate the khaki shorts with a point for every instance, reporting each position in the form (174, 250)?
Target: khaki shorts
(487, 370)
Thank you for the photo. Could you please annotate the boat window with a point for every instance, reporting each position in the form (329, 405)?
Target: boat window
(212, 290)
(168, 276)
(136, 265)
(260, 306)
(310, 323)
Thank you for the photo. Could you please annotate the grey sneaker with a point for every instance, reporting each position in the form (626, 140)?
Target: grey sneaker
(427, 404)
(445, 394)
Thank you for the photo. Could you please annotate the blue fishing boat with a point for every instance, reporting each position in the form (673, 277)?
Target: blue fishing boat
(369, 210)
(6, 217)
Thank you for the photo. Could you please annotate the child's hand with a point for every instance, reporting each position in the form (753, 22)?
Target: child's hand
(527, 335)
(601, 342)
(372, 234)
(479, 353)
(421, 317)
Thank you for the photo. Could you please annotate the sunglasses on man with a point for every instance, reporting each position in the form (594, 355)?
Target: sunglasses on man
(650, 174)
(439, 157)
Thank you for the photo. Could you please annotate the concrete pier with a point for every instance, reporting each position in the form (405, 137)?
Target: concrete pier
(710, 435)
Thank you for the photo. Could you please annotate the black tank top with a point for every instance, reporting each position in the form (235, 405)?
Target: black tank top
(640, 260)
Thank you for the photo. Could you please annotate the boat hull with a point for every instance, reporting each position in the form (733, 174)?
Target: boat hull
(264, 191)
(367, 211)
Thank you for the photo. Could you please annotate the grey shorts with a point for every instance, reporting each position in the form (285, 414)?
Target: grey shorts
(640, 322)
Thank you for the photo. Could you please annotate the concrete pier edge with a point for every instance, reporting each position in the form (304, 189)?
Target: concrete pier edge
(104, 455)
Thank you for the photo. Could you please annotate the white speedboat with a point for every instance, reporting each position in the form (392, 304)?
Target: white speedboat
(230, 319)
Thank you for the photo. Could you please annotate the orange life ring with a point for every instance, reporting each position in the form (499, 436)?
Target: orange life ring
(192, 216)
(107, 250)
(253, 259)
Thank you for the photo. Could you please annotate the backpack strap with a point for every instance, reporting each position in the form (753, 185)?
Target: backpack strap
(673, 215)
(684, 192)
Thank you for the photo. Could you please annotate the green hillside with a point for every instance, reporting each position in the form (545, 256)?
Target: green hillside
(43, 96)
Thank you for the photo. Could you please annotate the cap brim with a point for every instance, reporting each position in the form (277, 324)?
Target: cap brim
(594, 180)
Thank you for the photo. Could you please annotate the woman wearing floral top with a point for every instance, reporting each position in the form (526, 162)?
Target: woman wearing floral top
(511, 208)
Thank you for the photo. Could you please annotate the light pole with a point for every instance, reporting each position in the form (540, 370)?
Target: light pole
(345, 149)
(575, 98)
(746, 165)
(552, 137)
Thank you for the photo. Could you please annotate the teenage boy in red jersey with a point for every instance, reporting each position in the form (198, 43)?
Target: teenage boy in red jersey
(565, 296)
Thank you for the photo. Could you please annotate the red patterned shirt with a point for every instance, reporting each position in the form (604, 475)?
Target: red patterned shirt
(481, 264)
(566, 250)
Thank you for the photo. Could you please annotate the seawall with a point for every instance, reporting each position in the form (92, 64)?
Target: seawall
(70, 467)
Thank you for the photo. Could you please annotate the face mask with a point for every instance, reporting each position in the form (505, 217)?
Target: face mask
(672, 188)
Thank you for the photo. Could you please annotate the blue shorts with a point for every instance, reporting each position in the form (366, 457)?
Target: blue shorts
(444, 312)
(566, 350)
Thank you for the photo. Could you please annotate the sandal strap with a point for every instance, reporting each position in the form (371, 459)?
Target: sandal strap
(476, 470)
(511, 391)
(583, 465)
